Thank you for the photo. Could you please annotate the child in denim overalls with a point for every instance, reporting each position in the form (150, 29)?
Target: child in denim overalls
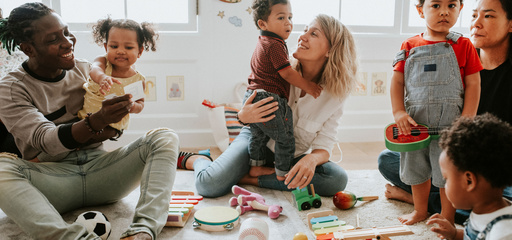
(476, 165)
(271, 76)
(430, 67)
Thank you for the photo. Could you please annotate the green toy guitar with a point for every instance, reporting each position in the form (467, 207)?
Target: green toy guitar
(420, 138)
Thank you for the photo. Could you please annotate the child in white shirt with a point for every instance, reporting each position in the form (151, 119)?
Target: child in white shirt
(476, 165)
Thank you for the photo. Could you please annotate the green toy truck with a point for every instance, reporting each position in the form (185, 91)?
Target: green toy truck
(306, 197)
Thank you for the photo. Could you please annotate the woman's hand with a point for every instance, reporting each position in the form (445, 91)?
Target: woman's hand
(302, 172)
(257, 112)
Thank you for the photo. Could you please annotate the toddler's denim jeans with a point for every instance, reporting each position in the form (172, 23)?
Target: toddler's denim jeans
(279, 128)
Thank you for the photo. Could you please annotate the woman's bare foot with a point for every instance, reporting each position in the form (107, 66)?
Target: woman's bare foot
(280, 178)
(138, 236)
(412, 218)
(396, 193)
(260, 171)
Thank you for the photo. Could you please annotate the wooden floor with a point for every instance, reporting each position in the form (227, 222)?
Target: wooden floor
(356, 156)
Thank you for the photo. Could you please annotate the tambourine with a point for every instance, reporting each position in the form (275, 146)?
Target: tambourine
(216, 219)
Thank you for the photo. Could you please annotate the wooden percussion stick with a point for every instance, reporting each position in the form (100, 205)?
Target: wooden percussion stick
(312, 190)
(368, 198)
(259, 206)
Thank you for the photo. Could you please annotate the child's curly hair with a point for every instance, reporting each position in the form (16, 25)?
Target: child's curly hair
(482, 145)
(146, 34)
(262, 8)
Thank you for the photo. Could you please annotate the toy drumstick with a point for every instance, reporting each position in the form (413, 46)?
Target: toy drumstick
(312, 189)
(345, 199)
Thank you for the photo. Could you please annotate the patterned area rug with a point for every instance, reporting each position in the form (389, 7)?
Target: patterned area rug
(378, 213)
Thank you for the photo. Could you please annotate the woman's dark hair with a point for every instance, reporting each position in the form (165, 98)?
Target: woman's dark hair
(17, 27)
(507, 7)
(262, 8)
(146, 34)
(481, 145)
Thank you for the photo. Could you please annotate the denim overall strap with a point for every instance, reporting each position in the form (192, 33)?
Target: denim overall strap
(454, 36)
(400, 56)
(470, 233)
(434, 91)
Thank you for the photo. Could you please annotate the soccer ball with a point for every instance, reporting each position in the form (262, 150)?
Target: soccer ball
(96, 222)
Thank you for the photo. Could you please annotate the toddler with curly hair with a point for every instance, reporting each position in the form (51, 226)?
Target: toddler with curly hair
(124, 41)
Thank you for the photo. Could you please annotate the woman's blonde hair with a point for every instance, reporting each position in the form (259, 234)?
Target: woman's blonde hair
(340, 70)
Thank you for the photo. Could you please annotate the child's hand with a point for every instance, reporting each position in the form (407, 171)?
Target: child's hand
(137, 106)
(403, 122)
(444, 229)
(313, 89)
(106, 83)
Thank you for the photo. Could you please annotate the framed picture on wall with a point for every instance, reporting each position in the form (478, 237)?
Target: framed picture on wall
(361, 86)
(379, 83)
(175, 88)
(150, 90)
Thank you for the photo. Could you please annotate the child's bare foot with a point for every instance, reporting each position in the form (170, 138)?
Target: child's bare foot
(280, 178)
(138, 236)
(247, 179)
(414, 217)
(396, 193)
(260, 171)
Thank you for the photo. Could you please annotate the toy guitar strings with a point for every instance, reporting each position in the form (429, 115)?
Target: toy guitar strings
(419, 138)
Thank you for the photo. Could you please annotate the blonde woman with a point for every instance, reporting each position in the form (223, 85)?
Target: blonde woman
(325, 55)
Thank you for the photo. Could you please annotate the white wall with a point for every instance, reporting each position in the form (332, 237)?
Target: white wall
(217, 57)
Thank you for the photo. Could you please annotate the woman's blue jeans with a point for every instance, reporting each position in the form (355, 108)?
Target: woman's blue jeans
(35, 194)
(389, 167)
(215, 179)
